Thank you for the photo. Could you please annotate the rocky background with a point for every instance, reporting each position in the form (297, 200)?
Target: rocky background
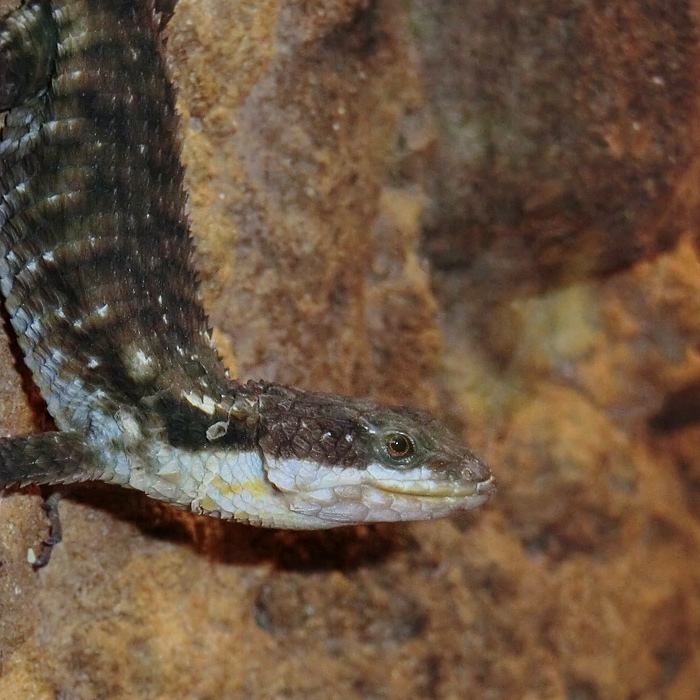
(488, 208)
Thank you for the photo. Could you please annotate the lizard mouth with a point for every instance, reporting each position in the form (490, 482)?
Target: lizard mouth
(389, 500)
(440, 489)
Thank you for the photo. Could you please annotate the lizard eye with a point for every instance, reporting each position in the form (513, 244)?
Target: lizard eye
(398, 445)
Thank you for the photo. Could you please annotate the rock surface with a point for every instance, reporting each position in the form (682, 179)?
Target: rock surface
(565, 134)
(317, 156)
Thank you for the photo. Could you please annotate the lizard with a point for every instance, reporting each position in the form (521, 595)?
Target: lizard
(98, 279)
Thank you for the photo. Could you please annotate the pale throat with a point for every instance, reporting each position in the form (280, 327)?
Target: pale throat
(224, 483)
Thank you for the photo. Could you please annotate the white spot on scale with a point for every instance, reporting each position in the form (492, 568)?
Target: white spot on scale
(55, 198)
(93, 362)
(103, 311)
(35, 330)
(130, 427)
(205, 404)
(217, 430)
(48, 256)
(74, 75)
(139, 364)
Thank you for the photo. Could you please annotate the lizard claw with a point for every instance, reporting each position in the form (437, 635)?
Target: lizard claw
(50, 506)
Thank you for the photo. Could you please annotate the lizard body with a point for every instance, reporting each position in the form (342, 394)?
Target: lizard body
(97, 276)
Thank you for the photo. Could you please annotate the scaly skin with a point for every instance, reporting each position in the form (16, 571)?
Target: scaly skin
(96, 271)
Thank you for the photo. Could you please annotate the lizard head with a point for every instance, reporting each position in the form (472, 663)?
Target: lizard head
(336, 460)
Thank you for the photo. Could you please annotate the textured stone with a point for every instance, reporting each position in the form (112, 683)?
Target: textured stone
(565, 135)
(289, 125)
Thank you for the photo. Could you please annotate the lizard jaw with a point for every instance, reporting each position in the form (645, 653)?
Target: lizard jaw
(337, 496)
